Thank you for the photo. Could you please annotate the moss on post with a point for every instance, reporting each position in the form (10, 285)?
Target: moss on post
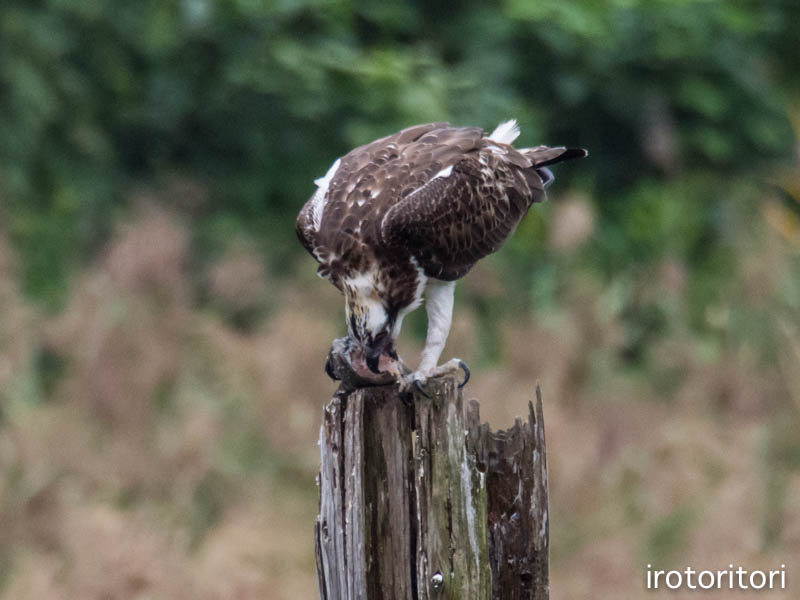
(419, 501)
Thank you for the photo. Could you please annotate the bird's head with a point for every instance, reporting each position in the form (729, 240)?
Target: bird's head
(372, 325)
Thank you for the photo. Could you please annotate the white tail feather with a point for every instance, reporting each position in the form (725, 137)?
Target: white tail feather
(320, 197)
(324, 182)
(506, 132)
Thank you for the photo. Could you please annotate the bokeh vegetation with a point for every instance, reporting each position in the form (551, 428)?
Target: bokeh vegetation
(161, 331)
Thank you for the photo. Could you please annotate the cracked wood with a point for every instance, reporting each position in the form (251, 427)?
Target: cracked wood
(420, 501)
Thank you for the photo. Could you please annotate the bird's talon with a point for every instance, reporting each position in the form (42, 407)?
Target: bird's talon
(465, 368)
(407, 398)
(420, 389)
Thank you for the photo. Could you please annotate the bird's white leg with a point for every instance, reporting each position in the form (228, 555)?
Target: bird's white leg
(439, 297)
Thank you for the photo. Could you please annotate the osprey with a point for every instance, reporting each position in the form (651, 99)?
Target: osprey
(402, 218)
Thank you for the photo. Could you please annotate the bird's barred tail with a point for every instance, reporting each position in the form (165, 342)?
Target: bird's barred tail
(543, 156)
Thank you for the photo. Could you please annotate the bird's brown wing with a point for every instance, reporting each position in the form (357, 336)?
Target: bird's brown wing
(362, 172)
(451, 222)
(342, 229)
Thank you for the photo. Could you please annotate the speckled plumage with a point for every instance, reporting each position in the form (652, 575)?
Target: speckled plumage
(385, 210)
(404, 217)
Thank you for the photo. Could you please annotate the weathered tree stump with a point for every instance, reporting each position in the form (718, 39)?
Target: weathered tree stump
(420, 501)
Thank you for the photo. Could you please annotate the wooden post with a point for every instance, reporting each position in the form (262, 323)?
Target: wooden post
(420, 501)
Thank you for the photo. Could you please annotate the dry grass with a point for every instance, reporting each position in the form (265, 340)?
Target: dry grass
(151, 448)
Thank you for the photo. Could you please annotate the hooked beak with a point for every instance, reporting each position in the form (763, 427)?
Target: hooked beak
(329, 369)
(373, 353)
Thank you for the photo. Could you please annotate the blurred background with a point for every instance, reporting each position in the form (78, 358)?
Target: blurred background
(162, 333)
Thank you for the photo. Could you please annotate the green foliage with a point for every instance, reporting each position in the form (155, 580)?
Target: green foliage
(254, 100)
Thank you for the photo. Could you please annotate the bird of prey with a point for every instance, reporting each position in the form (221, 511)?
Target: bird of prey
(401, 219)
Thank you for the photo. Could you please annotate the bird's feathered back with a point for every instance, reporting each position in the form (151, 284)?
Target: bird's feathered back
(435, 196)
